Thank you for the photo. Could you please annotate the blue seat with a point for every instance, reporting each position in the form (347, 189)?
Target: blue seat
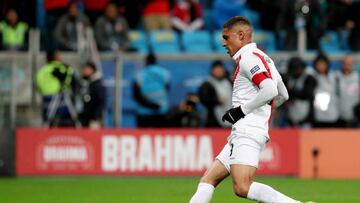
(330, 42)
(197, 42)
(253, 17)
(265, 40)
(138, 40)
(164, 42)
(217, 40)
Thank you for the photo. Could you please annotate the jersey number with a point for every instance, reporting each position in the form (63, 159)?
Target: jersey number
(231, 150)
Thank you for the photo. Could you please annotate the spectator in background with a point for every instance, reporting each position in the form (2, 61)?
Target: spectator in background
(187, 15)
(269, 12)
(132, 11)
(69, 27)
(54, 10)
(225, 9)
(301, 86)
(284, 23)
(186, 114)
(156, 15)
(325, 103)
(93, 98)
(150, 91)
(111, 30)
(338, 13)
(56, 82)
(294, 15)
(94, 9)
(353, 24)
(215, 93)
(348, 90)
(316, 22)
(13, 32)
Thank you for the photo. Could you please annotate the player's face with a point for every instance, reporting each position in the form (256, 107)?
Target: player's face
(232, 40)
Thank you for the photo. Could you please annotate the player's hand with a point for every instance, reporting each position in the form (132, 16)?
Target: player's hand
(233, 115)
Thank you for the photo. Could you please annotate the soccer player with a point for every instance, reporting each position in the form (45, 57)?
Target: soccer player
(257, 86)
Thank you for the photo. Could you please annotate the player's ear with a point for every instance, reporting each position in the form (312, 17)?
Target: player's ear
(241, 35)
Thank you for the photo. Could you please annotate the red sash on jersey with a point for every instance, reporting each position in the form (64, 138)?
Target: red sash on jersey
(262, 58)
(258, 78)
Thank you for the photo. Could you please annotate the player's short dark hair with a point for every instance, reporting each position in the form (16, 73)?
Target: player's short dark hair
(237, 20)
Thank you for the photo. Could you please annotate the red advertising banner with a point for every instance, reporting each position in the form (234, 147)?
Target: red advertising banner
(165, 152)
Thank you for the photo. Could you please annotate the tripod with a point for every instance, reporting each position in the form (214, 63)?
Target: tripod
(61, 99)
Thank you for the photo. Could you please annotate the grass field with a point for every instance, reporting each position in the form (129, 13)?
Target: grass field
(167, 190)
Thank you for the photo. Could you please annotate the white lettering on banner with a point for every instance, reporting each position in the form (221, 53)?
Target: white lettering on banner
(205, 156)
(163, 152)
(109, 156)
(158, 153)
(65, 153)
(145, 153)
(184, 153)
(128, 153)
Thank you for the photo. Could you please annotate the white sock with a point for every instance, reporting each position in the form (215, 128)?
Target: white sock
(266, 194)
(203, 193)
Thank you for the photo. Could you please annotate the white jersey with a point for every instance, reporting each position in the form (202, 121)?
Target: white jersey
(253, 66)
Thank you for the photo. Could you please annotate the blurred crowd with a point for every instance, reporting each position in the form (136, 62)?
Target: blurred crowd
(318, 97)
(111, 20)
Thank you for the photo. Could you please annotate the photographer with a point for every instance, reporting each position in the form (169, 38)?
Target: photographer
(55, 81)
(186, 114)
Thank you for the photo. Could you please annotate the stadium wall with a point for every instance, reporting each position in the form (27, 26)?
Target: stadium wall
(180, 152)
(330, 154)
(133, 152)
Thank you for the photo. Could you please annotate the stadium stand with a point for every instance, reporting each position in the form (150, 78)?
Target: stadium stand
(330, 42)
(162, 41)
(265, 40)
(138, 40)
(197, 42)
(217, 42)
(253, 16)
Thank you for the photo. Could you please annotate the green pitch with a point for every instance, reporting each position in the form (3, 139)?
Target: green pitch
(167, 190)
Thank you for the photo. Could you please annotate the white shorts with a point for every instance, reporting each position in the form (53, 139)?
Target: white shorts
(242, 149)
